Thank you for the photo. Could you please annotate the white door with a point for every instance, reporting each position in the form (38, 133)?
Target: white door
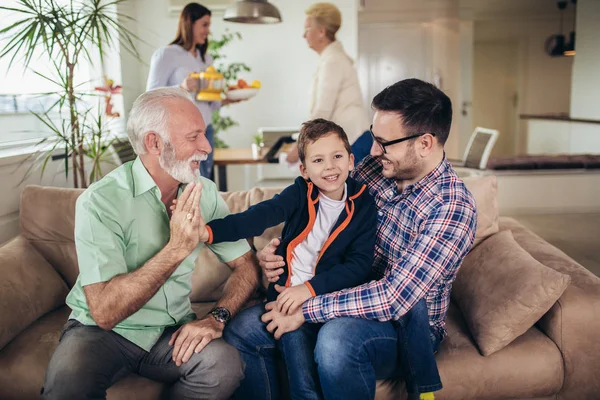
(389, 53)
(495, 93)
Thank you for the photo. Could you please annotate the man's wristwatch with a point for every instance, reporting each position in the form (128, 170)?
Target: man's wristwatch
(221, 314)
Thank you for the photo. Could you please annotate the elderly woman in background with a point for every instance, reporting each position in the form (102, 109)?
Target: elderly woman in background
(335, 92)
(172, 65)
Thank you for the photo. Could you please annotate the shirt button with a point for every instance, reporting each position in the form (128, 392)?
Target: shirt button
(380, 213)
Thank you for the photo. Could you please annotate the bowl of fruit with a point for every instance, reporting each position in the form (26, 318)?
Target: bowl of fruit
(243, 90)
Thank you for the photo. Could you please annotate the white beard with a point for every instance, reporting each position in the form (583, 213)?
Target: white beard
(180, 170)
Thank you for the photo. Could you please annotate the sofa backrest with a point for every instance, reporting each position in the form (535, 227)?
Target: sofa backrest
(48, 217)
(48, 221)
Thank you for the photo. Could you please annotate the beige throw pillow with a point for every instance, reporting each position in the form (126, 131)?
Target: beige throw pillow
(502, 291)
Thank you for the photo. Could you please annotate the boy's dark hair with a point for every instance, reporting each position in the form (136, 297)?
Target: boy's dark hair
(314, 130)
(423, 107)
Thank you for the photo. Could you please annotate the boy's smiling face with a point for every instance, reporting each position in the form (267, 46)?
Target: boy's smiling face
(327, 164)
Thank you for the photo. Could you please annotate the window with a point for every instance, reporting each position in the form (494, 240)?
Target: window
(23, 90)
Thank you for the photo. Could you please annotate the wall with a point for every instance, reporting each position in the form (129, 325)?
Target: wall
(585, 89)
(546, 81)
(424, 49)
(277, 54)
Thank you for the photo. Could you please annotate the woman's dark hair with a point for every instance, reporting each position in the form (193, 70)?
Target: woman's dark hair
(423, 107)
(185, 32)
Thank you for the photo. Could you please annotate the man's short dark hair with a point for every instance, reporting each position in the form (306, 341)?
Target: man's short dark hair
(423, 107)
(314, 130)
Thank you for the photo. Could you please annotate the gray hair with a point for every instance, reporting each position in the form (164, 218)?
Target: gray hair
(149, 114)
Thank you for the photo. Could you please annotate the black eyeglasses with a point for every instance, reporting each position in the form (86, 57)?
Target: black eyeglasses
(383, 145)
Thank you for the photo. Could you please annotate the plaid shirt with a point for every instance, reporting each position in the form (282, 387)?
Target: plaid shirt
(423, 234)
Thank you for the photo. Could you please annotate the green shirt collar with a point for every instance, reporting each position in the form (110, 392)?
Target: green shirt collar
(142, 181)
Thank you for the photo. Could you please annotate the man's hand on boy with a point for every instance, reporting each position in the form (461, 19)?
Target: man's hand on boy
(291, 299)
(203, 236)
(270, 263)
(278, 323)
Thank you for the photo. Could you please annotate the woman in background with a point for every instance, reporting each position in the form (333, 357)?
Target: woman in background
(172, 65)
(335, 92)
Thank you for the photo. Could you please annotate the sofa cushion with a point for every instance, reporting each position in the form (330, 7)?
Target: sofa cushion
(502, 291)
(50, 229)
(29, 288)
(530, 367)
(485, 192)
(23, 361)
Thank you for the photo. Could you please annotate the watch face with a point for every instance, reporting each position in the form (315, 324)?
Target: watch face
(221, 314)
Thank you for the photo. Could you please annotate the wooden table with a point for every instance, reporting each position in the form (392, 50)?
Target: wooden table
(233, 156)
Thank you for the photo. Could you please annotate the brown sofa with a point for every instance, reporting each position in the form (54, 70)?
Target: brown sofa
(557, 358)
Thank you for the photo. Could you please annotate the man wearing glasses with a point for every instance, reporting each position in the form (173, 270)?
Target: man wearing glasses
(426, 226)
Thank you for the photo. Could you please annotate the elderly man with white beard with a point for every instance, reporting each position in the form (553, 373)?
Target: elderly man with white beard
(130, 305)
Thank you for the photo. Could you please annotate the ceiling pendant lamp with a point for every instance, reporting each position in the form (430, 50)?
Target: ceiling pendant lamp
(555, 44)
(570, 46)
(252, 12)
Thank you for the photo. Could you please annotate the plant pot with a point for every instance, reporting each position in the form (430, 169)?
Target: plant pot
(256, 151)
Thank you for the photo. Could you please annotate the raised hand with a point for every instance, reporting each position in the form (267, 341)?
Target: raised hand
(185, 220)
(202, 231)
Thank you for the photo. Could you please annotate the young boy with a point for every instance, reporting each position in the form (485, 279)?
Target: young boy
(330, 221)
(327, 240)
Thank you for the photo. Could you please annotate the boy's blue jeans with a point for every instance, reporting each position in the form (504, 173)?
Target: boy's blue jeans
(340, 359)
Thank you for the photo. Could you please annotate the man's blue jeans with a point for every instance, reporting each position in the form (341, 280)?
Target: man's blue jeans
(349, 355)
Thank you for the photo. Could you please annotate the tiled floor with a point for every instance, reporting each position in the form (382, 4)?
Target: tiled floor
(578, 235)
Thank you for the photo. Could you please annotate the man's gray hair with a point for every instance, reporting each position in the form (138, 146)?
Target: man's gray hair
(149, 114)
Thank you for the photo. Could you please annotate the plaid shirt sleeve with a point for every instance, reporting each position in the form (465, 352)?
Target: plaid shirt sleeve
(446, 237)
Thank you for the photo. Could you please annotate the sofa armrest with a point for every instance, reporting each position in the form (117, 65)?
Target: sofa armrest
(573, 323)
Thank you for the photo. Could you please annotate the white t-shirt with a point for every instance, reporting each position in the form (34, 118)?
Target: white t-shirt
(306, 254)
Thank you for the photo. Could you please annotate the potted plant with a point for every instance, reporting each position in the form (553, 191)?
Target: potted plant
(230, 72)
(67, 33)
(257, 144)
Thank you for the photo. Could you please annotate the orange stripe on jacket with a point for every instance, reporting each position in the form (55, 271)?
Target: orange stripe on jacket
(362, 189)
(340, 228)
(334, 235)
(311, 222)
(210, 234)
